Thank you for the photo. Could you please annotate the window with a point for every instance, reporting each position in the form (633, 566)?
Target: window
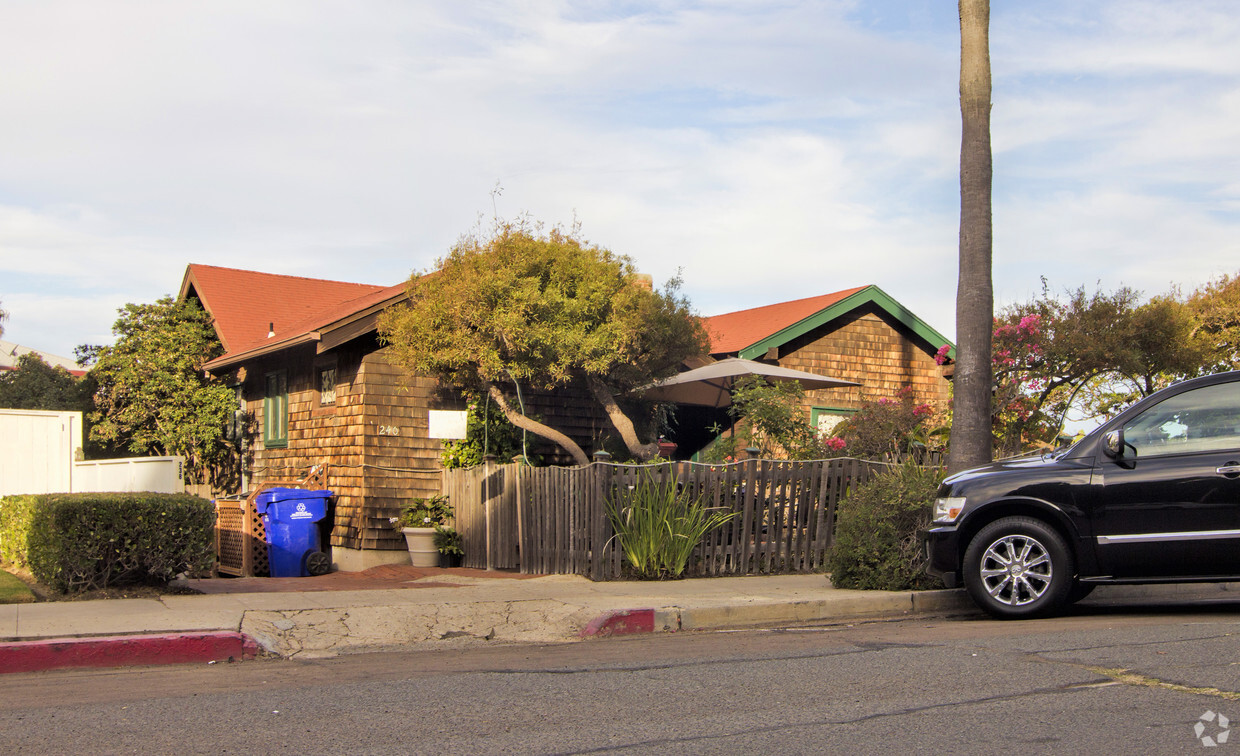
(824, 419)
(327, 385)
(1206, 419)
(275, 410)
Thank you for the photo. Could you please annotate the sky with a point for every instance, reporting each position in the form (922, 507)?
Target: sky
(763, 151)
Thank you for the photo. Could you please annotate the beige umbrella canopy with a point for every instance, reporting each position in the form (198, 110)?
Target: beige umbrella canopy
(711, 385)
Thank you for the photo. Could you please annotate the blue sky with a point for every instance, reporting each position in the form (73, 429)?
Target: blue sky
(767, 150)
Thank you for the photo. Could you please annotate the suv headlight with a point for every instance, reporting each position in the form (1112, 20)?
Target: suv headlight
(947, 508)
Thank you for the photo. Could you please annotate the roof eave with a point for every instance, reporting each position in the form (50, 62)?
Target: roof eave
(867, 295)
(229, 360)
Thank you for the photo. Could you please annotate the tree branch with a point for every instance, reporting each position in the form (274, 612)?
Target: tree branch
(619, 420)
(537, 428)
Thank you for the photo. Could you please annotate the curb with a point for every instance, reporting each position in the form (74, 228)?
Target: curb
(126, 651)
(624, 622)
(675, 619)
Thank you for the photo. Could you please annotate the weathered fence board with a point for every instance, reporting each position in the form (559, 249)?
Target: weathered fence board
(555, 519)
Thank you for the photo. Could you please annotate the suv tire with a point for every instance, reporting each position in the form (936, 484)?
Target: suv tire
(1018, 568)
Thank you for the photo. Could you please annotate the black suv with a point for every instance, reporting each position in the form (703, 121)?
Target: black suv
(1152, 496)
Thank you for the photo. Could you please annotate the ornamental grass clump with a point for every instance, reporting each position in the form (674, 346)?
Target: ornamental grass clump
(659, 524)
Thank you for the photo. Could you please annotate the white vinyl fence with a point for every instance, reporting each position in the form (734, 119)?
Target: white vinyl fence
(38, 455)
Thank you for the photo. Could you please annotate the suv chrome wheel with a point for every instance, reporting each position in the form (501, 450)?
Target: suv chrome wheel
(1018, 567)
(1016, 570)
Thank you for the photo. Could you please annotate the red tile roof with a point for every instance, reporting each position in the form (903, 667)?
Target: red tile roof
(733, 331)
(246, 304)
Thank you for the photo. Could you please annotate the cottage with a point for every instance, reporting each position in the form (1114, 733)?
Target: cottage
(315, 386)
(861, 335)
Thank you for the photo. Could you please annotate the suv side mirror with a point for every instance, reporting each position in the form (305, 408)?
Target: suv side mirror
(1113, 444)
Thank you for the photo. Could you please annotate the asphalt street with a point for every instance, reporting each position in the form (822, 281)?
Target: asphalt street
(1108, 679)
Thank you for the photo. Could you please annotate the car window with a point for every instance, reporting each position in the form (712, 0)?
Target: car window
(1205, 419)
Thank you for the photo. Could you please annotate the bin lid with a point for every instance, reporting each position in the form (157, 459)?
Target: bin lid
(271, 495)
(305, 509)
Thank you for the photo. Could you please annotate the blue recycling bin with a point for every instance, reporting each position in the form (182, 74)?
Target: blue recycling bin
(291, 516)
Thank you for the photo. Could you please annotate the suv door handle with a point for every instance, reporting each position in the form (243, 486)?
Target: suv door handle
(1231, 468)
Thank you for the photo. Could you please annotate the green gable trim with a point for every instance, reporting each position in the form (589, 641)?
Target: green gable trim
(870, 294)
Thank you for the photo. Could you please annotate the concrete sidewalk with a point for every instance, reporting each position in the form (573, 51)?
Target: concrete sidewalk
(446, 605)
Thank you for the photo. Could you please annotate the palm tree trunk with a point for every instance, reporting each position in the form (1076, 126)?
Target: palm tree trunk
(971, 438)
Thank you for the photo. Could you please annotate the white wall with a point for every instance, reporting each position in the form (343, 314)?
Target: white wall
(37, 455)
(159, 474)
(36, 450)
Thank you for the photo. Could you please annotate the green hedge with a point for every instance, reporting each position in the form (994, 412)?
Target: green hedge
(15, 514)
(79, 542)
(877, 546)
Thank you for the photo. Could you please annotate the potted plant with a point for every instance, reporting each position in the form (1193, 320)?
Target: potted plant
(448, 542)
(418, 520)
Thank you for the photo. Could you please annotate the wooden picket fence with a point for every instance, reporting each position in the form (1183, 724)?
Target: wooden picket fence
(553, 520)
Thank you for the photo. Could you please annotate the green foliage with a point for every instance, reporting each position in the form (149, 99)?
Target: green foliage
(448, 541)
(543, 310)
(36, 385)
(877, 546)
(1216, 321)
(487, 431)
(1097, 352)
(430, 512)
(775, 420)
(659, 526)
(79, 542)
(724, 449)
(888, 426)
(16, 513)
(153, 396)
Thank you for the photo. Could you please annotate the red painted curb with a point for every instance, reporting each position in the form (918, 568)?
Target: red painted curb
(125, 650)
(625, 622)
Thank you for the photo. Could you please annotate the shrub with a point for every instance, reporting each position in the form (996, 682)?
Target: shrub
(888, 426)
(659, 526)
(15, 514)
(79, 542)
(776, 419)
(877, 545)
(448, 541)
(429, 512)
(487, 431)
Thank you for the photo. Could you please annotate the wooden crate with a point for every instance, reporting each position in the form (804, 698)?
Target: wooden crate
(240, 538)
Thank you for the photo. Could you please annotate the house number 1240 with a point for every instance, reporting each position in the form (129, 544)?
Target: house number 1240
(389, 430)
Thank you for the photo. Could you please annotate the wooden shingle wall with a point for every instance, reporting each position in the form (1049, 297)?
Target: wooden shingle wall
(870, 348)
(401, 462)
(317, 433)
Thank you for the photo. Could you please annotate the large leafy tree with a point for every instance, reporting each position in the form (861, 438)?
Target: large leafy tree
(1216, 310)
(524, 307)
(37, 385)
(971, 428)
(153, 395)
(1096, 352)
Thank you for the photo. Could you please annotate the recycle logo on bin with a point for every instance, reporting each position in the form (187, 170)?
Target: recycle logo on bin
(301, 512)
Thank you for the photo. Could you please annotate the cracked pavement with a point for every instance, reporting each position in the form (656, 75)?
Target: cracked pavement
(1138, 678)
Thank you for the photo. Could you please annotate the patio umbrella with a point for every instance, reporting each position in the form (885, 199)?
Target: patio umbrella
(711, 385)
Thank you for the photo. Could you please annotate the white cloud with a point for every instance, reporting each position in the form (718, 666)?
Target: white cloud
(772, 150)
